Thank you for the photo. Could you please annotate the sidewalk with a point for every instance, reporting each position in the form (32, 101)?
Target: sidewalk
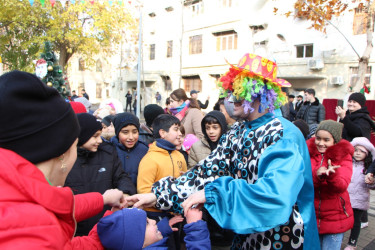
(366, 239)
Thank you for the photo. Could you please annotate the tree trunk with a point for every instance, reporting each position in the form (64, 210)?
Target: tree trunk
(64, 57)
(364, 60)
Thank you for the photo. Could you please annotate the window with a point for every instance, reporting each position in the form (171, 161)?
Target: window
(169, 48)
(152, 52)
(192, 82)
(226, 40)
(195, 6)
(98, 90)
(226, 3)
(81, 64)
(360, 21)
(354, 76)
(304, 51)
(195, 45)
(99, 66)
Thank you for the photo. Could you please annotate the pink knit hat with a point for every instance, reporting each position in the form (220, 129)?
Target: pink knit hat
(364, 142)
(190, 139)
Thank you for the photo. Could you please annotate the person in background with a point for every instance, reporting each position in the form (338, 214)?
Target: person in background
(292, 112)
(129, 98)
(167, 106)
(130, 228)
(331, 162)
(194, 95)
(302, 125)
(108, 130)
(74, 96)
(158, 98)
(129, 149)
(299, 103)
(312, 111)
(96, 169)
(78, 107)
(359, 190)
(357, 121)
(36, 211)
(187, 111)
(85, 102)
(180, 146)
(84, 94)
(151, 111)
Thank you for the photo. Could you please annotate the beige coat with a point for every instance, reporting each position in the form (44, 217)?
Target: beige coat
(192, 122)
(199, 151)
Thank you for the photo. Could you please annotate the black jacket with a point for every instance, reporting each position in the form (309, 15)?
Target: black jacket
(357, 124)
(203, 106)
(97, 172)
(312, 113)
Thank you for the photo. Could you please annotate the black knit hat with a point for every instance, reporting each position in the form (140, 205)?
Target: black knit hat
(124, 119)
(39, 125)
(358, 97)
(108, 119)
(89, 126)
(303, 126)
(152, 111)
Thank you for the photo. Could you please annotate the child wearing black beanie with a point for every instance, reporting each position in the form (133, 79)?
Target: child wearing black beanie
(96, 169)
(130, 150)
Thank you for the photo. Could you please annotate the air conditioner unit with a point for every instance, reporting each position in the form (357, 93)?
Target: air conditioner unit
(315, 64)
(337, 80)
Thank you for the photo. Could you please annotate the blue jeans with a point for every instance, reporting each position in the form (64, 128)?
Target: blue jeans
(331, 241)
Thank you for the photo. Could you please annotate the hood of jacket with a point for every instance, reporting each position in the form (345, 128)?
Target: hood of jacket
(336, 152)
(223, 124)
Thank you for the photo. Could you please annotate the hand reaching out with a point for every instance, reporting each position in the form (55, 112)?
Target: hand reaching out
(369, 178)
(114, 198)
(193, 215)
(141, 200)
(174, 220)
(194, 199)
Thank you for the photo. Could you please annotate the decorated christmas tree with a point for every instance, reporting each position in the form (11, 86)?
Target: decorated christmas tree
(53, 76)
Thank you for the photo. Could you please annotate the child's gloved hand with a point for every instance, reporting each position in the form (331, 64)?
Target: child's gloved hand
(193, 215)
(369, 178)
(174, 220)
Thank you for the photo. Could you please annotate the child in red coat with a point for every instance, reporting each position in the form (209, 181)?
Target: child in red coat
(331, 162)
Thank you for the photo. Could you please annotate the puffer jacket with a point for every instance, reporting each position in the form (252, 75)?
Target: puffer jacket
(97, 172)
(36, 215)
(130, 158)
(357, 124)
(359, 191)
(312, 113)
(333, 211)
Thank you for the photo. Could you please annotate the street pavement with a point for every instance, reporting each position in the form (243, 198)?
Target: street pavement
(366, 239)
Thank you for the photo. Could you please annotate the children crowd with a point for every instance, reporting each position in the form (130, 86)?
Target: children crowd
(239, 177)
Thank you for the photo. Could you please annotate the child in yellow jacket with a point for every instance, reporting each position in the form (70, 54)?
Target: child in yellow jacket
(162, 158)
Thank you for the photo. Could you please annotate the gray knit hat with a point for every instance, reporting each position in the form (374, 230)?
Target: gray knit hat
(334, 128)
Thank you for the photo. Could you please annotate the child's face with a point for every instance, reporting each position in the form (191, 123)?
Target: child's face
(360, 153)
(179, 146)
(213, 131)
(323, 140)
(152, 233)
(108, 129)
(173, 135)
(93, 143)
(128, 136)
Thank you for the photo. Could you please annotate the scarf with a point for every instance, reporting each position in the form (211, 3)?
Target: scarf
(164, 144)
(180, 111)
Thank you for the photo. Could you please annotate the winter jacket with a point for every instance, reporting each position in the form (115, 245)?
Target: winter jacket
(97, 172)
(357, 124)
(192, 122)
(156, 164)
(359, 191)
(145, 134)
(292, 112)
(298, 105)
(333, 211)
(35, 215)
(130, 158)
(312, 113)
(199, 151)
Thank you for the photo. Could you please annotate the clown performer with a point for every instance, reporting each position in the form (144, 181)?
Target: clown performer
(258, 181)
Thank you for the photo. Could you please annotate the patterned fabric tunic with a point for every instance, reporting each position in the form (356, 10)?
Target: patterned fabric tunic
(239, 155)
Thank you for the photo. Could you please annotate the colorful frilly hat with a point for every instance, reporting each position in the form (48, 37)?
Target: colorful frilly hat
(254, 77)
